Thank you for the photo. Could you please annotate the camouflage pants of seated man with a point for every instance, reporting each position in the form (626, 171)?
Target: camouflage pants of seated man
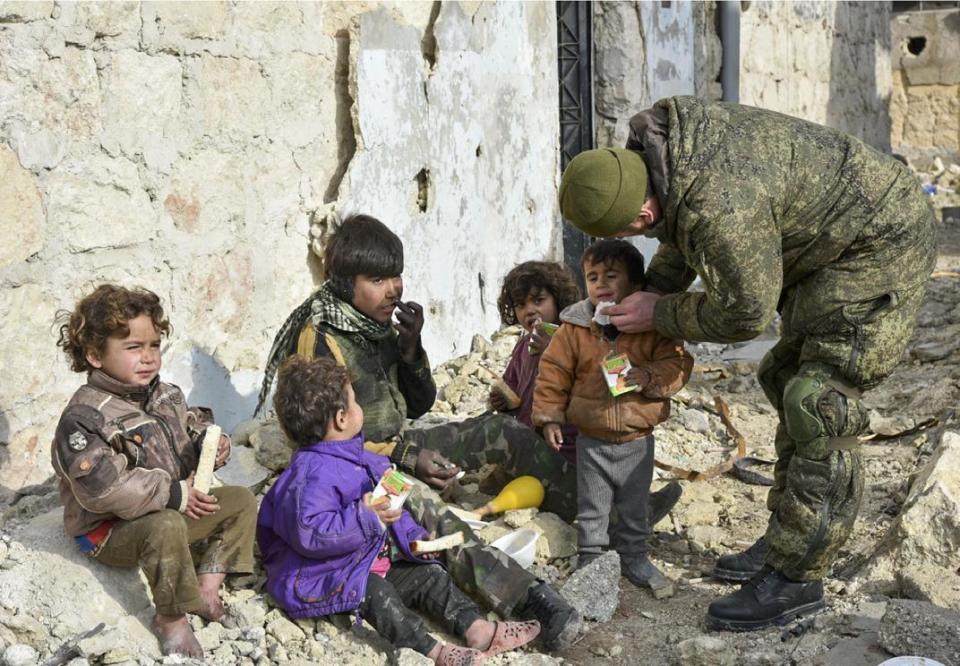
(844, 330)
(500, 440)
(485, 573)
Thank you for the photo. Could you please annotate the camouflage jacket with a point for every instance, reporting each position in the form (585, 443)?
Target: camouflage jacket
(123, 451)
(753, 202)
(389, 389)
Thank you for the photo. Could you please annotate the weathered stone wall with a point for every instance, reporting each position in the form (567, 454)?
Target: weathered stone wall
(828, 62)
(925, 107)
(187, 147)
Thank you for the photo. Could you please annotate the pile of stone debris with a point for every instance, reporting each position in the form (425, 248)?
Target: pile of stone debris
(907, 543)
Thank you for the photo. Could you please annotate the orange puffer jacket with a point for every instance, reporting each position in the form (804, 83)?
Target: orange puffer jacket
(571, 387)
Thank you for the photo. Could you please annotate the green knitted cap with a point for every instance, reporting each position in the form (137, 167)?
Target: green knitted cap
(602, 190)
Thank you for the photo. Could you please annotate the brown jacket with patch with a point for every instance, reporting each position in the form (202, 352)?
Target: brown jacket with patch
(124, 451)
(571, 387)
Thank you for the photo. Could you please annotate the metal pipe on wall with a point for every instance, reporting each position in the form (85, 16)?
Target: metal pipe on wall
(730, 41)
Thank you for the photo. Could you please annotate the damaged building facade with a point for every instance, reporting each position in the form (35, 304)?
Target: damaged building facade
(202, 150)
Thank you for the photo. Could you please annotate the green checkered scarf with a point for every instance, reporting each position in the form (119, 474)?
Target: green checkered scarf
(323, 307)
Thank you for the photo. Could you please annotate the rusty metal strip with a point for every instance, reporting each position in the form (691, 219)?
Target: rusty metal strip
(720, 468)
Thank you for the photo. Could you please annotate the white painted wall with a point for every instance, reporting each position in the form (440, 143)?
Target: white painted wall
(186, 147)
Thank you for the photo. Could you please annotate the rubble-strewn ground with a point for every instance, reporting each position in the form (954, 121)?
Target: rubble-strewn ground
(48, 592)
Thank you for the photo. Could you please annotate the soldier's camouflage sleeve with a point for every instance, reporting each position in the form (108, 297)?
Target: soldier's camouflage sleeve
(668, 272)
(100, 478)
(733, 244)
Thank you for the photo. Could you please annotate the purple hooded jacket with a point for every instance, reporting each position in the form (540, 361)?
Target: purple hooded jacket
(317, 538)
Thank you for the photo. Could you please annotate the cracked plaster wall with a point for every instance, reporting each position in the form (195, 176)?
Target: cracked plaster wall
(925, 107)
(186, 147)
(828, 62)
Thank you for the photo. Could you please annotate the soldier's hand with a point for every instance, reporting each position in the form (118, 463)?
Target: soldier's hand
(435, 470)
(199, 504)
(409, 325)
(553, 435)
(634, 314)
(498, 401)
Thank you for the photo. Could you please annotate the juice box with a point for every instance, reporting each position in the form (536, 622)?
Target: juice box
(394, 485)
(615, 369)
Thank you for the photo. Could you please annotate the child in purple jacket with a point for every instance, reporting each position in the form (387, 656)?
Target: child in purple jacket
(323, 540)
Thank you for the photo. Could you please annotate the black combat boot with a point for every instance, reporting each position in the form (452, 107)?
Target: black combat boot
(766, 599)
(742, 566)
(560, 623)
(663, 500)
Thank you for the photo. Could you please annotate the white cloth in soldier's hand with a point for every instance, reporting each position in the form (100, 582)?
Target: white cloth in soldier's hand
(602, 319)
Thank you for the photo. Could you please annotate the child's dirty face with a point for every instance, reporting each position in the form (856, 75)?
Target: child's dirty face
(134, 358)
(606, 282)
(539, 305)
(377, 297)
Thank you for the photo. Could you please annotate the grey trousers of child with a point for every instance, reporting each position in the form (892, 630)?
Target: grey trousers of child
(613, 475)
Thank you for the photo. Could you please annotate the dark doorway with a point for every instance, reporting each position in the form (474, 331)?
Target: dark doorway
(575, 60)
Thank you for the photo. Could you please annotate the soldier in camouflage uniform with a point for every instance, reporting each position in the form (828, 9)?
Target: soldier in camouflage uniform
(349, 319)
(773, 214)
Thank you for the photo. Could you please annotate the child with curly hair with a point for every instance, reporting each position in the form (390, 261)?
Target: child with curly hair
(125, 451)
(533, 295)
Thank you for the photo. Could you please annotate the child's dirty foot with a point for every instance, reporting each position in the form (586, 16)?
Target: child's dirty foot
(511, 635)
(455, 655)
(175, 636)
(211, 607)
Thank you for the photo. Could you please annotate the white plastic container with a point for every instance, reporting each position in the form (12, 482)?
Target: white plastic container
(469, 517)
(911, 661)
(520, 544)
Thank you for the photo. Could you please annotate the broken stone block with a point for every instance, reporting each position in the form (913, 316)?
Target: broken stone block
(594, 590)
(283, 629)
(920, 628)
(520, 517)
(19, 654)
(408, 657)
(493, 531)
(708, 537)
(922, 547)
(706, 651)
(273, 447)
(695, 420)
(243, 470)
(558, 538)
(930, 583)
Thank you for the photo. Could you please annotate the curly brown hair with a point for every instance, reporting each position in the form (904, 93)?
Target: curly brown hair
(310, 391)
(103, 314)
(532, 277)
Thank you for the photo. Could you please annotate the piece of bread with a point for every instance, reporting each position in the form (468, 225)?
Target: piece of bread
(208, 456)
(436, 545)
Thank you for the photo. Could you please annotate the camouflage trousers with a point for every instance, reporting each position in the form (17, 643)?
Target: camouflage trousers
(844, 330)
(159, 543)
(500, 440)
(485, 573)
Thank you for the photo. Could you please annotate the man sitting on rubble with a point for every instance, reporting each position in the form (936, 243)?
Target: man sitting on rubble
(773, 214)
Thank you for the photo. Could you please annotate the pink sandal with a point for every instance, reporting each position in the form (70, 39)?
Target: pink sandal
(511, 635)
(455, 655)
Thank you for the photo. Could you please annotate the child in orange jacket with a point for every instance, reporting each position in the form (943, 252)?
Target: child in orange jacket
(615, 447)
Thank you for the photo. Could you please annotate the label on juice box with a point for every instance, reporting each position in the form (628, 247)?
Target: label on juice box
(547, 327)
(394, 485)
(615, 369)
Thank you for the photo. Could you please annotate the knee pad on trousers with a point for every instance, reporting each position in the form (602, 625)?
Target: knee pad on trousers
(816, 412)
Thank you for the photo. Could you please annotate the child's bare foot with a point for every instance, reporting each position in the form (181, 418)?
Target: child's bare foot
(175, 635)
(447, 654)
(211, 607)
(499, 637)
